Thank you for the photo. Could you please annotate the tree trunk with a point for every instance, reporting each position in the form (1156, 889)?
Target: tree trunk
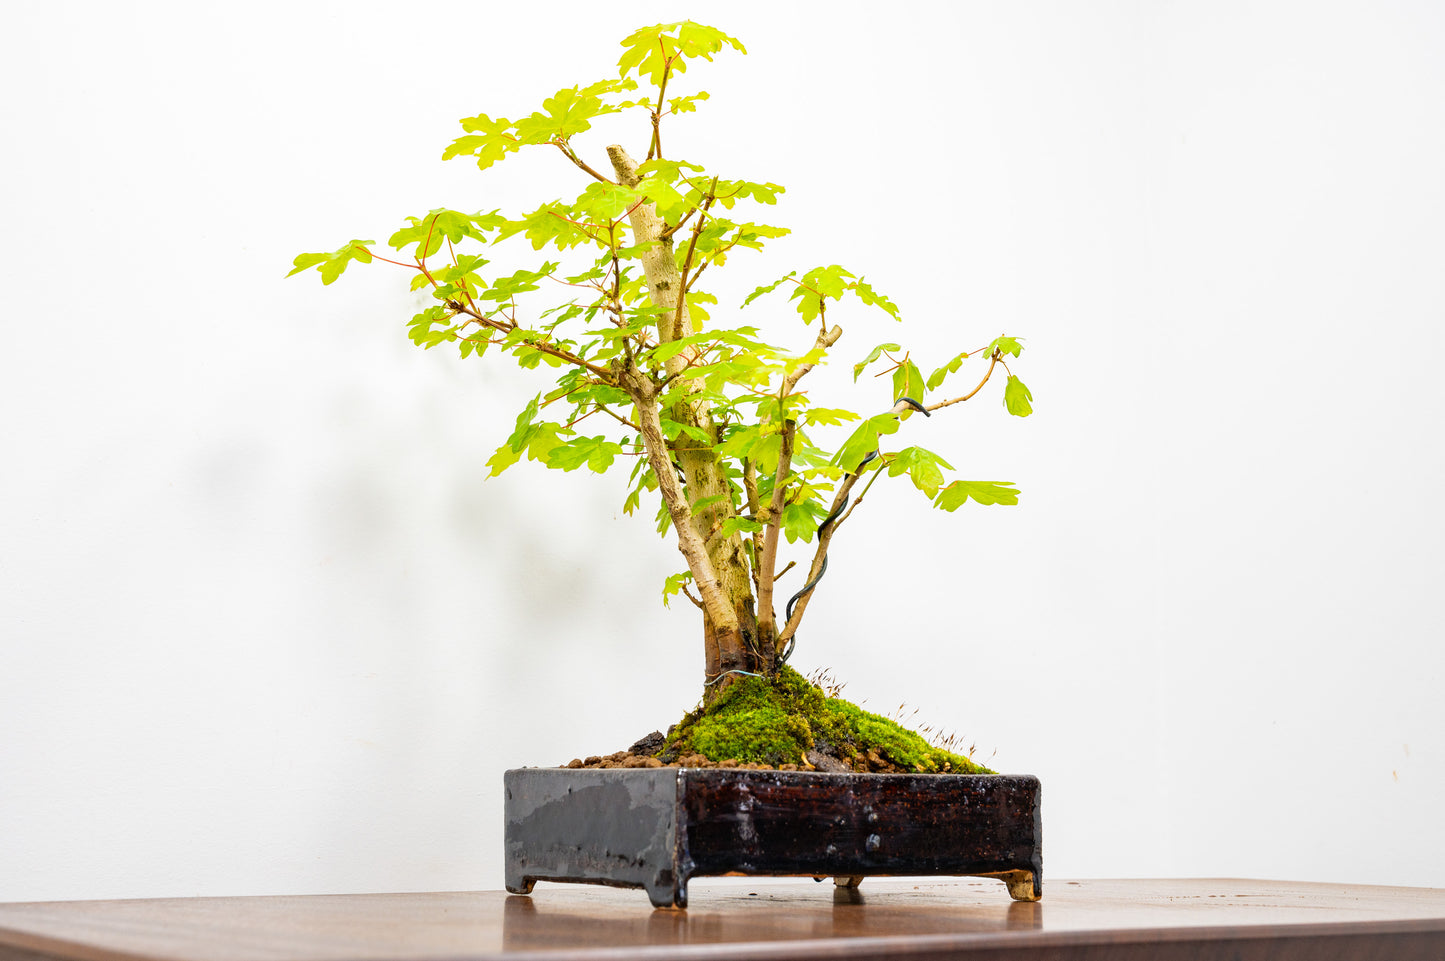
(730, 629)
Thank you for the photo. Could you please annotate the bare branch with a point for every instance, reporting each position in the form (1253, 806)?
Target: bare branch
(820, 557)
(992, 363)
(750, 487)
(571, 155)
(618, 417)
(767, 620)
(687, 261)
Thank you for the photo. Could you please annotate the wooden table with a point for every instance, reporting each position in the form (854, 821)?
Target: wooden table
(973, 919)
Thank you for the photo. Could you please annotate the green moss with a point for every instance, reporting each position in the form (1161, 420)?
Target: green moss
(908, 750)
(775, 722)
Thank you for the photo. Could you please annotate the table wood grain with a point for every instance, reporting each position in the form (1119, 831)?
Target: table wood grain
(1132, 920)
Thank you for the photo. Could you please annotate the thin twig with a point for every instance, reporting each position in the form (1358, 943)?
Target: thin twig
(572, 156)
(687, 262)
(655, 148)
(993, 361)
(673, 229)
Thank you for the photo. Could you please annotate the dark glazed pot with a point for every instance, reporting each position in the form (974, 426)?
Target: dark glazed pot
(654, 828)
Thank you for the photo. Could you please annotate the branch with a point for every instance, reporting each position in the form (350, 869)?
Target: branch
(654, 149)
(572, 156)
(507, 327)
(750, 487)
(826, 339)
(618, 417)
(767, 619)
(687, 261)
(673, 229)
(992, 363)
(820, 558)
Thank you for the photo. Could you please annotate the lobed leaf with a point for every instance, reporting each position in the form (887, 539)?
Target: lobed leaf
(673, 585)
(984, 492)
(936, 378)
(488, 140)
(768, 288)
(1017, 397)
(332, 265)
(863, 441)
(654, 51)
(873, 355)
(923, 467)
(1005, 345)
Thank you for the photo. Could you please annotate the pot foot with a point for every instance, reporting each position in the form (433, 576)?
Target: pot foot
(1022, 885)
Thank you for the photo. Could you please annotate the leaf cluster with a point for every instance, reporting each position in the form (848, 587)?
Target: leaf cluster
(582, 310)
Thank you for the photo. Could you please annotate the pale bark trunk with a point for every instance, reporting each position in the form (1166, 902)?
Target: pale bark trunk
(730, 628)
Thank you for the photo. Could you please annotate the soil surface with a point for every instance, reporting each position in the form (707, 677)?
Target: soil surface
(648, 752)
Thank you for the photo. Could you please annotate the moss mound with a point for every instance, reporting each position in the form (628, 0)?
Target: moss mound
(782, 721)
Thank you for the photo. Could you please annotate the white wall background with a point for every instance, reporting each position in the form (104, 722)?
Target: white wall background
(267, 630)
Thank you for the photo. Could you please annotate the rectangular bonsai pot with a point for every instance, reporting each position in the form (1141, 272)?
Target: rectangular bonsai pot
(654, 828)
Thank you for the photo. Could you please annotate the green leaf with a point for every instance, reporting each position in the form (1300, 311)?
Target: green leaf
(548, 224)
(872, 356)
(673, 585)
(543, 439)
(872, 298)
(936, 378)
(908, 381)
(606, 202)
(671, 429)
(420, 327)
(984, 492)
(667, 171)
(504, 289)
(504, 457)
(429, 232)
(524, 429)
(800, 520)
(488, 140)
(735, 525)
(818, 285)
(654, 51)
(596, 453)
(1016, 397)
(1005, 345)
(686, 104)
(670, 204)
(828, 416)
(563, 115)
(767, 289)
(332, 265)
(729, 192)
(863, 441)
(923, 467)
(703, 503)
(739, 441)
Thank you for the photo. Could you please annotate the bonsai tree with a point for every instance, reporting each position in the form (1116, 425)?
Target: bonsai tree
(646, 373)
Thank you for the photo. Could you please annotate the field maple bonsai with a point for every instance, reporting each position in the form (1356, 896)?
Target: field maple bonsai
(708, 416)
